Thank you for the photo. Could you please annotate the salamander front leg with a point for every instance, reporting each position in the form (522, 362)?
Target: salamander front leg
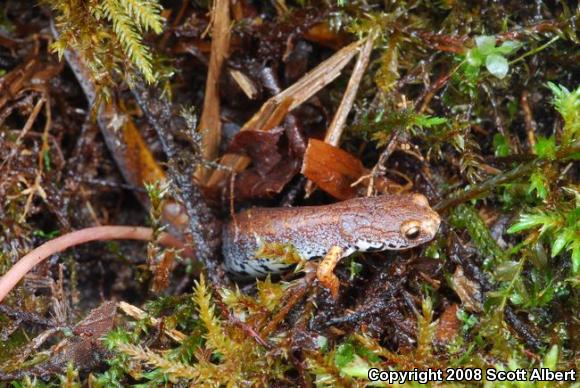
(324, 272)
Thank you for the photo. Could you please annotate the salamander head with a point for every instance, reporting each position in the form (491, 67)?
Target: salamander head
(389, 222)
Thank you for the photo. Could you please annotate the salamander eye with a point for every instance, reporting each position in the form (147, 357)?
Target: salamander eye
(413, 233)
(411, 230)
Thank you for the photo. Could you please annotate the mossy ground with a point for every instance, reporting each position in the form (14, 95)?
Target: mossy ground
(474, 104)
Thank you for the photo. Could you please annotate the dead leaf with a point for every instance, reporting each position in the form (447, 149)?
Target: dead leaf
(275, 159)
(260, 146)
(468, 291)
(448, 326)
(163, 270)
(84, 350)
(251, 184)
(332, 169)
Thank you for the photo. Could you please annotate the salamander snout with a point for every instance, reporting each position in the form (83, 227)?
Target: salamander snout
(430, 225)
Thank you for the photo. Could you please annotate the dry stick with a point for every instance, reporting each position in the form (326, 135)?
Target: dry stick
(203, 225)
(295, 297)
(385, 155)
(529, 121)
(15, 80)
(465, 195)
(430, 92)
(209, 124)
(26, 316)
(27, 125)
(334, 131)
(59, 244)
(461, 196)
(498, 120)
(336, 126)
(298, 93)
(36, 188)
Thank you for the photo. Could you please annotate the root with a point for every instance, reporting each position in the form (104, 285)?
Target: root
(59, 244)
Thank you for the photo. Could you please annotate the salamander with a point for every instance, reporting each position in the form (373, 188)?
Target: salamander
(386, 222)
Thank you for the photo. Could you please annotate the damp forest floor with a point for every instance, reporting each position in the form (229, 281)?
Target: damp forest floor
(175, 115)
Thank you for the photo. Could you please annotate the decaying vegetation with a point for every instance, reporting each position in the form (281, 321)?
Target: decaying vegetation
(176, 114)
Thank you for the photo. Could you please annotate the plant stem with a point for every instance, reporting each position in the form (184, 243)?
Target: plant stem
(534, 51)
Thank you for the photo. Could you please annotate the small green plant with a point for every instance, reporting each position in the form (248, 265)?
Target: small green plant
(560, 224)
(486, 53)
(567, 103)
(561, 228)
(501, 145)
(379, 125)
(465, 216)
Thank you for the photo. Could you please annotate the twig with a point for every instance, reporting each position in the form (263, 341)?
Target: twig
(534, 51)
(465, 195)
(429, 93)
(26, 316)
(27, 126)
(461, 196)
(387, 152)
(336, 126)
(530, 122)
(210, 124)
(295, 297)
(203, 225)
(137, 313)
(496, 114)
(15, 80)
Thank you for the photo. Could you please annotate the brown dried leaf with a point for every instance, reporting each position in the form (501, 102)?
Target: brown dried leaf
(98, 322)
(84, 350)
(252, 184)
(324, 35)
(13, 81)
(275, 163)
(332, 169)
(162, 271)
(260, 146)
(468, 291)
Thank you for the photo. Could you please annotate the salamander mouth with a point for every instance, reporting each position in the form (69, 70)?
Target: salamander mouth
(379, 246)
